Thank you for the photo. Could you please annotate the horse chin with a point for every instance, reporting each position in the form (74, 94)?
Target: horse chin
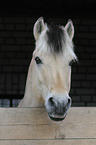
(57, 118)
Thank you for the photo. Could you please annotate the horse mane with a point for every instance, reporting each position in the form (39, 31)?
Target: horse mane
(55, 38)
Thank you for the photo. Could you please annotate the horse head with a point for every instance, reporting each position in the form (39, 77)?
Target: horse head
(51, 67)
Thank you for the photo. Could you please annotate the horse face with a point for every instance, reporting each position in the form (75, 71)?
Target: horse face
(52, 58)
(54, 84)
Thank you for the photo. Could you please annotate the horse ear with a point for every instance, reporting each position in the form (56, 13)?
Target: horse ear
(70, 29)
(39, 26)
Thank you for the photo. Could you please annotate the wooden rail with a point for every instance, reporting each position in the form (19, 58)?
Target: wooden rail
(31, 126)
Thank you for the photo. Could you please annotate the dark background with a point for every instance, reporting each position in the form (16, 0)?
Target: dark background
(17, 18)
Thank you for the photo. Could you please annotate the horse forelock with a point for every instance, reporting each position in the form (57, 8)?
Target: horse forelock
(55, 38)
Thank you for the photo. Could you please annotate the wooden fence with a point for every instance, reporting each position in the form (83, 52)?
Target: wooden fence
(31, 126)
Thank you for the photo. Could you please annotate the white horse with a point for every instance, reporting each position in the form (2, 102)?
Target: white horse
(49, 75)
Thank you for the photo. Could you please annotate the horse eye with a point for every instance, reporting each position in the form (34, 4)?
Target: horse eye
(71, 62)
(38, 60)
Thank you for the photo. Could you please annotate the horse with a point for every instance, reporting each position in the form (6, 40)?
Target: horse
(49, 75)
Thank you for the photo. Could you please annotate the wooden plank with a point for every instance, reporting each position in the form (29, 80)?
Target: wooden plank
(36, 116)
(23, 116)
(33, 123)
(49, 142)
(80, 130)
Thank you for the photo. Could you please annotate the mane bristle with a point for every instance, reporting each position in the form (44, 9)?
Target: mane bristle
(55, 38)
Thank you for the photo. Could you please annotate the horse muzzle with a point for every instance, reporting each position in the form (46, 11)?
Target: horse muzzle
(57, 108)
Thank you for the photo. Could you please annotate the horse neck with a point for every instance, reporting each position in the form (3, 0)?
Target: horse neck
(31, 92)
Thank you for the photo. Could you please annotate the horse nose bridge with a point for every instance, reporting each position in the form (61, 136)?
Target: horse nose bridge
(59, 83)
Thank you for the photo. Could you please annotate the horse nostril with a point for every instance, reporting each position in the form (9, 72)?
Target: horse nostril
(69, 101)
(52, 102)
